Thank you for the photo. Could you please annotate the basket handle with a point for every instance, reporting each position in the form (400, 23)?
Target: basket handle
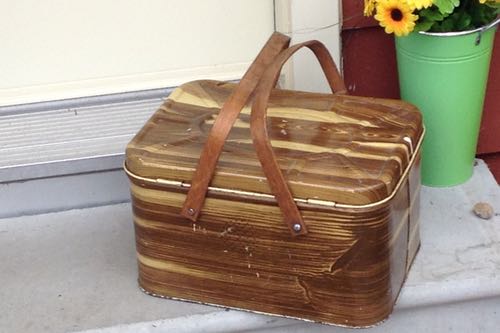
(224, 122)
(260, 136)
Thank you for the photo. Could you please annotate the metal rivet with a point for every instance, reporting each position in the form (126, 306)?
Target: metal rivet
(297, 227)
(191, 211)
(478, 38)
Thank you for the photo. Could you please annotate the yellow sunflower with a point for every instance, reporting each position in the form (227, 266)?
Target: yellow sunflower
(419, 4)
(369, 7)
(396, 16)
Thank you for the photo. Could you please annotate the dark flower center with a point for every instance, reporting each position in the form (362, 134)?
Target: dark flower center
(396, 15)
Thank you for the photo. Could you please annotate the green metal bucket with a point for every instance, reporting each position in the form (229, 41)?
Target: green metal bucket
(445, 76)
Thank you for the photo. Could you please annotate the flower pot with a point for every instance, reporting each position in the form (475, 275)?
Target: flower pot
(445, 75)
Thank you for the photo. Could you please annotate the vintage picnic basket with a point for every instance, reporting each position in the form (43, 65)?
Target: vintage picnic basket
(283, 202)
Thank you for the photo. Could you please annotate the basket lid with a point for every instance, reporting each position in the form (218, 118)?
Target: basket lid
(333, 148)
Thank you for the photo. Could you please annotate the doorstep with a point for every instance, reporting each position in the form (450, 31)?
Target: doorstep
(69, 154)
(75, 271)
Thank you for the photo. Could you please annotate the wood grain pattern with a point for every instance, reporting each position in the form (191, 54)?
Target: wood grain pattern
(349, 268)
(344, 149)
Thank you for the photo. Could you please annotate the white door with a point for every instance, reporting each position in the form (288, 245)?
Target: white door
(61, 49)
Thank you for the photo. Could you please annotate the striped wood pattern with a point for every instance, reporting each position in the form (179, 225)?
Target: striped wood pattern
(345, 149)
(348, 270)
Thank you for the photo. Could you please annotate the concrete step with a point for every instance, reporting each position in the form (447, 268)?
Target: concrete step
(75, 271)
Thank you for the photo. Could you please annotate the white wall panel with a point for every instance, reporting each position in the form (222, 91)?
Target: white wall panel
(305, 20)
(61, 48)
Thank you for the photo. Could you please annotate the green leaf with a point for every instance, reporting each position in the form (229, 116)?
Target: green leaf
(431, 13)
(493, 4)
(424, 25)
(463, 22)
(482, 15)
(456, 15)
(446, 25)
(446, 6)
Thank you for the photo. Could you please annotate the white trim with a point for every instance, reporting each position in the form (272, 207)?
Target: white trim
(306, 20)
(111, 85)
(283, 24)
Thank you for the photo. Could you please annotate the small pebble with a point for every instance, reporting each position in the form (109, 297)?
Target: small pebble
(483, 210)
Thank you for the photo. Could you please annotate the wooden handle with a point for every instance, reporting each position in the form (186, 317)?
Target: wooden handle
(260, 136)
(224, 122)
